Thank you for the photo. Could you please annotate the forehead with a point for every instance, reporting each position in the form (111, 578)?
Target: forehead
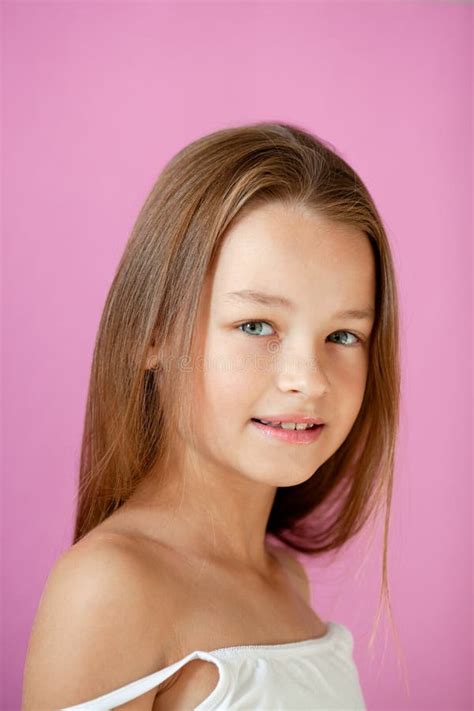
(297, 253)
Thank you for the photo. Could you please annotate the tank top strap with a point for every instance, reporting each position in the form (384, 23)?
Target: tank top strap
(141, 686)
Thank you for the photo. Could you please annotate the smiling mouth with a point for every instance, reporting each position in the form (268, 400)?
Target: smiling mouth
(279, 425)
(290, 436)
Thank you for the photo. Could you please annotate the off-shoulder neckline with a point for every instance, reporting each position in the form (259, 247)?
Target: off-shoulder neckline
(332, 627)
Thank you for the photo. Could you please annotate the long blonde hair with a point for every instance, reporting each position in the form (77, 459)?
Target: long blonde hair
(154, 298)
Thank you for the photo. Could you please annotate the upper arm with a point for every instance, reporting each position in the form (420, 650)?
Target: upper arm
(92, 632)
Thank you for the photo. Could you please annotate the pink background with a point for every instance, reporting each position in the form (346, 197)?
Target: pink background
(96, 97)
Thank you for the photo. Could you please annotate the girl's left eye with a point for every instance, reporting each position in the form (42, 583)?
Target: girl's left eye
(358, 340)
(254, 323)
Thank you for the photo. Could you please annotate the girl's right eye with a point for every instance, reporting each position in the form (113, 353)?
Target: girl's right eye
(253, 323)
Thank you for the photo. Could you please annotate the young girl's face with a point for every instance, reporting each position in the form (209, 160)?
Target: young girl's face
(300, 357)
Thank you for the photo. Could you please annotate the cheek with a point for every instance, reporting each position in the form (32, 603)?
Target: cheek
(233, 365)
(231, 387)
(354, 380)
(349, 369)
(350, 383)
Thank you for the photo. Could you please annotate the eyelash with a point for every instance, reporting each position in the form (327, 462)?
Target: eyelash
(246, 323)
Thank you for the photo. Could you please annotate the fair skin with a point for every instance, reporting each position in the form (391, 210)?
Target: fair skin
(323, 268)
(183, 564)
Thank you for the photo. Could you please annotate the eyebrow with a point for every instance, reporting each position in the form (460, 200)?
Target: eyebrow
(259, 297)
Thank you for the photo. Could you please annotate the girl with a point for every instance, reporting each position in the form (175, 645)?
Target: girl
(243, 404)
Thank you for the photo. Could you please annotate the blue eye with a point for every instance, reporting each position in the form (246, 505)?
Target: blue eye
(350, 334)
(253, 323)
(258, 332)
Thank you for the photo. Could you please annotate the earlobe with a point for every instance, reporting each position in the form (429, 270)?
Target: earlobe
(153, 363)
(156, 355)
(153, 359)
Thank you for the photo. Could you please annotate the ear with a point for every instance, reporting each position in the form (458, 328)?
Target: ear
(152, 363)
(153, 357)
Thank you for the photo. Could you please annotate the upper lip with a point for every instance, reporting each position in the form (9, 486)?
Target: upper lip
(292, 417)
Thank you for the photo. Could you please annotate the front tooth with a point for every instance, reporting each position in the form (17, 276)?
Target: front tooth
(287, 425)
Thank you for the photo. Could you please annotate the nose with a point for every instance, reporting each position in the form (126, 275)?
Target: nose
(301, 372)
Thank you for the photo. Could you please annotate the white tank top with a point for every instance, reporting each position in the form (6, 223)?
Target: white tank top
(312, 674)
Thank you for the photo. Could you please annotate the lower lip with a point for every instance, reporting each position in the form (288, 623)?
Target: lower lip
(291, 436)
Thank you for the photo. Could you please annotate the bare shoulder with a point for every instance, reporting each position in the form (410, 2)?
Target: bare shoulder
(295, 568)
(96, 607)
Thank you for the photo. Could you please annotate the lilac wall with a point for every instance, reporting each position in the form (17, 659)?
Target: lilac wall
(97, 96)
